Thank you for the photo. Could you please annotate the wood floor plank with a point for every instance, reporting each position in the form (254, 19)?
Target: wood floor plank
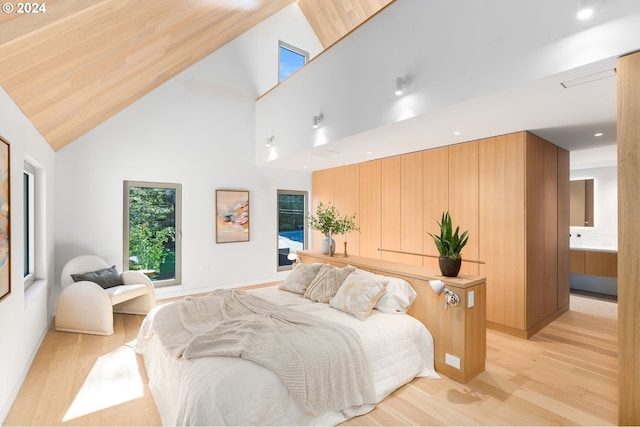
(567, 374)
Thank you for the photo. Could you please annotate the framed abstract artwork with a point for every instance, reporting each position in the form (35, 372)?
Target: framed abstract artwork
(232, 216)
(5, 240)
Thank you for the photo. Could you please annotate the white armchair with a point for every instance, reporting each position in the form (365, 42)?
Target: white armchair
(85, 307)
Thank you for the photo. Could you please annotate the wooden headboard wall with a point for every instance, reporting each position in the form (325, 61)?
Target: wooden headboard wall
(459, 332)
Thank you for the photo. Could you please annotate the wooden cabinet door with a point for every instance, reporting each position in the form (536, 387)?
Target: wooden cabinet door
(346, 199)
(435, 187)
(391, 209)
(501, 187)
(463, 199)
(563, 228)
(411, 233)
(370, 209)
(322, 185)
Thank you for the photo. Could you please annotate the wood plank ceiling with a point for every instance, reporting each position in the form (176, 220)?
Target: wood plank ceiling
(79, 63)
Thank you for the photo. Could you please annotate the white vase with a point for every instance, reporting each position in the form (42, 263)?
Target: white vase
(326, 249)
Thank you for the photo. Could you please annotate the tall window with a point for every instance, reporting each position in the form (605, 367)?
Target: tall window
(290, 59)
(29, 229)
(153, 230)
(292, 225)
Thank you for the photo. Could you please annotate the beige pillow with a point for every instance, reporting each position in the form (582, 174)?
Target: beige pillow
(327, 282)
(300, 277)
(359, 294)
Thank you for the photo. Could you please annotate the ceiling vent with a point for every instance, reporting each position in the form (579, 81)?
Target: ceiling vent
(590, 78)
(324, 153)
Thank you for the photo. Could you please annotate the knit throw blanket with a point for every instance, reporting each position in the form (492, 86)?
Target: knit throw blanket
(322, 364)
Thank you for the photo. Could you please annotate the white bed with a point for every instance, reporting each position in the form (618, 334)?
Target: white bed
(234, 391)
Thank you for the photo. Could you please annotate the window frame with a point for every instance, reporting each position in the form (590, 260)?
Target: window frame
(294, 49)
(29, 218)
(305, 238)
(178, 226)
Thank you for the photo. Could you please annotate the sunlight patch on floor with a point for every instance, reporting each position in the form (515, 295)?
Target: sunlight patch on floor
(114, 379)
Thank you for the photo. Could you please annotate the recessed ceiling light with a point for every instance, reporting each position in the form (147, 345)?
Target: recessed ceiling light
(368, 153)
(598, 134)
(457, 133)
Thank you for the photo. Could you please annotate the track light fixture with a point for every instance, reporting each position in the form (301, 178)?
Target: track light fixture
(270, 141)
(317, 120)
(401, 85)
(586, 8)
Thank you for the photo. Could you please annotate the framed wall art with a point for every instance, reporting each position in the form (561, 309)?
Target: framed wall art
(5, 241)
(232, 216)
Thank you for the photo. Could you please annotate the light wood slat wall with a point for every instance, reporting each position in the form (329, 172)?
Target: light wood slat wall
(628, 131)
(563, 229)
(331, 20)
(411, 233)
(435, 178)
(502, 220)
(463, 198)
(370, 209)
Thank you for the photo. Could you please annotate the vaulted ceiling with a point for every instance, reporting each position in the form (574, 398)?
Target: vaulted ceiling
(73, 66)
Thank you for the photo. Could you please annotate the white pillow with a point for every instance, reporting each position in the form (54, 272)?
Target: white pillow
(300, 277)
(398, 296)
(359, 294)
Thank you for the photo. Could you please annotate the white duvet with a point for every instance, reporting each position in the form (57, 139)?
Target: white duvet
(234, 391)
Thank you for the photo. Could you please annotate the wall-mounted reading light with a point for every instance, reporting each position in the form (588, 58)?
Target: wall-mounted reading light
(270, 141)
(401, 85)
(317, 120)
(451, 299)
(293, 257)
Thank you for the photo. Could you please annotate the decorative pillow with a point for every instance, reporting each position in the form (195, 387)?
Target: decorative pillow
(300, 277)
(359, 294)
(398, 296)
(327, 282)
(107, 278)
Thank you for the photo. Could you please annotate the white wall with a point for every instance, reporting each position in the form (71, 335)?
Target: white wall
(352, 83)
(25, 315)
(197, 130)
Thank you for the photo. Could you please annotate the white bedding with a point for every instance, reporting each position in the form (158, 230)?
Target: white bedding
(234, 391)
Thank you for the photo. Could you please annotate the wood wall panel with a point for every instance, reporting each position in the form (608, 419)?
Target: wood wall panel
(535, 215)
(550, 244)
(322, 188)
(391, 207)
(502, 221)
(435, 187)
(563, 228)
(463, 198)
(411, 218)
(346, 198)
(511, 193)
(370, 209)
(628, 132)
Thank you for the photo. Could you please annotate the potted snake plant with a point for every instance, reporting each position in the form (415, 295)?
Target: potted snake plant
(449, 244)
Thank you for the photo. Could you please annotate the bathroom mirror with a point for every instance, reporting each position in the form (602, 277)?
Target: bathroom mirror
(581, 205)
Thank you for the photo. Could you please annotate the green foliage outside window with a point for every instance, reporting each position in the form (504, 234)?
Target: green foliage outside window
(152, 230)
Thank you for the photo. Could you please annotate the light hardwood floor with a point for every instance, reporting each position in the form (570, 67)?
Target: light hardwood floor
(564, 375)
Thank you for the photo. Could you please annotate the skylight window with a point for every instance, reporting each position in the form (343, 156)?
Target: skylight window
(290, 60)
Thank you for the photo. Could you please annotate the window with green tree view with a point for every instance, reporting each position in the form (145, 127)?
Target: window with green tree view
(292, 225)
(152, 218)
